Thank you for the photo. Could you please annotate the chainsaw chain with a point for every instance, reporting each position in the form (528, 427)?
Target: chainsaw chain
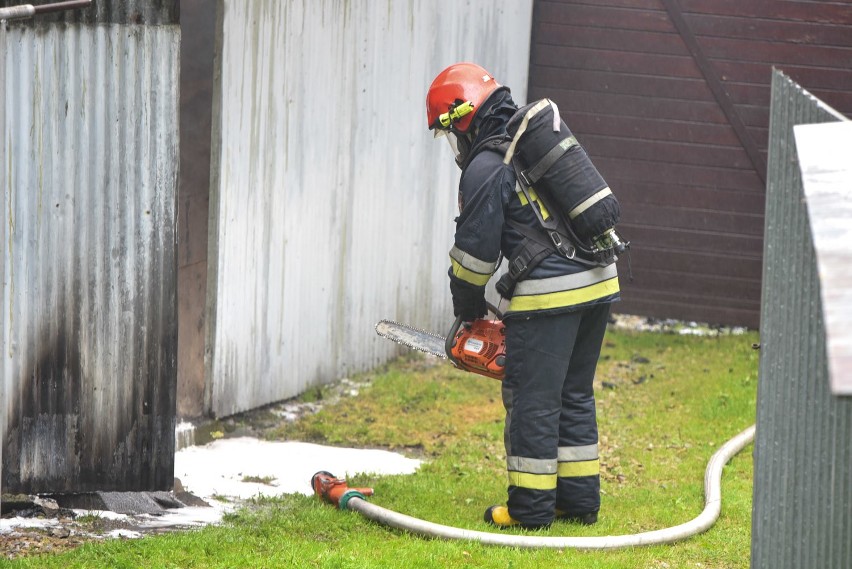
(409, 344)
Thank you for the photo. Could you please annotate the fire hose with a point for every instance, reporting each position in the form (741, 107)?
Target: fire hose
(335, 491)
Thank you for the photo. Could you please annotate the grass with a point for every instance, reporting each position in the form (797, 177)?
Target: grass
(267, 480)
(665, 404)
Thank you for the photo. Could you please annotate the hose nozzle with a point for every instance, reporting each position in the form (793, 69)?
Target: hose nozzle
(335, 490)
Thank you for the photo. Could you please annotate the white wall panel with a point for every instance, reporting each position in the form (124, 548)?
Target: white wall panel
(332, 207)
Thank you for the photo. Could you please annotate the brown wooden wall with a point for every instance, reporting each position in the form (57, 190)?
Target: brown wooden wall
(671, 100)
(197, 51)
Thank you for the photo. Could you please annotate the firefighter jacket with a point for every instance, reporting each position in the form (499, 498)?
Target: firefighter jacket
(488, 199)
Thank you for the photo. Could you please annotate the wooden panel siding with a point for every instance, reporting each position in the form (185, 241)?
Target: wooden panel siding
(671, 99)
(703, 198)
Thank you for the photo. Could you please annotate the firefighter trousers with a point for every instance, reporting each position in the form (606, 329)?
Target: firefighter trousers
(551, 433)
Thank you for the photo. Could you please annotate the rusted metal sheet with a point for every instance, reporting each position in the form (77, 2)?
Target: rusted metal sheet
(802, 513)
(88, 177)
(332, 207)
(671, 100)
(825, 160)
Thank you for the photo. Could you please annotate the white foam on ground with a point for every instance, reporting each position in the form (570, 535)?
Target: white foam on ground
(219, 468)
(216, 473)
(189, 516)
(8, 525)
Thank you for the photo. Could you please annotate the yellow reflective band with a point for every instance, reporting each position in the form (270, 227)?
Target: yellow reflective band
(469, 276)
(565, 297)
(544, 213)
(534, 197)
(583, 468)
(532, 481)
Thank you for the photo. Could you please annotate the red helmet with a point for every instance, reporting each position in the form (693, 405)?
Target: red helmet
(456, 94)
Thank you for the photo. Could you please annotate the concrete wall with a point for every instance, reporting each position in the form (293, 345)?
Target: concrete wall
(331, 206)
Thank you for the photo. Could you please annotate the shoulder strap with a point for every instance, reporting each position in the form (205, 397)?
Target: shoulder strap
(532, 111)
(554, 228)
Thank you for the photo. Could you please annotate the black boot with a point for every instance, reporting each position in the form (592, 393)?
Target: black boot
(587, 519)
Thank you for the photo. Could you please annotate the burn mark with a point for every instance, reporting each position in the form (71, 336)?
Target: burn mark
(88, 412)
(42, 438)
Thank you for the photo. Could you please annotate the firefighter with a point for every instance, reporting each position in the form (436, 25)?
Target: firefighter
(555, 320)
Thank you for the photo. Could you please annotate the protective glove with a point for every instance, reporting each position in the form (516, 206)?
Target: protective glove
(468, 302)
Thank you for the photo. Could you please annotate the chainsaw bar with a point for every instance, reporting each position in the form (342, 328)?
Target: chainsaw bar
(413, 338)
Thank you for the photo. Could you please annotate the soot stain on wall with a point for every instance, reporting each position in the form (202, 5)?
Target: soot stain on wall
(62, 435)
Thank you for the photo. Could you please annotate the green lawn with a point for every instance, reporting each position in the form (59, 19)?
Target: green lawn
(665, 404)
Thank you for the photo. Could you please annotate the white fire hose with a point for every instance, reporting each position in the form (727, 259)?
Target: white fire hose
(703, 522)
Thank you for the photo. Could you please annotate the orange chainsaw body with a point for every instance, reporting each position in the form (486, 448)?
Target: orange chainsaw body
(480, 347)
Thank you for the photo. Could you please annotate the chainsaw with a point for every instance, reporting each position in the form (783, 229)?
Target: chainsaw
(478, 346)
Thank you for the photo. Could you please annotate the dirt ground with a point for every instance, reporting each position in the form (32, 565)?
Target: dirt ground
(68, 532)
(64, 530)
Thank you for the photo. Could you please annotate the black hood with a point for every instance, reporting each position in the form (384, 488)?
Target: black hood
(490, 122)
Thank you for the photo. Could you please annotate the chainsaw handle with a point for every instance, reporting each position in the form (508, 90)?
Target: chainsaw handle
(451, 335)
(451, 338)
(494, 309)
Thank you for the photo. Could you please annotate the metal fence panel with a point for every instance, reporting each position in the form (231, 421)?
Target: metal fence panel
(3, 249)
(803, 452)
(88, 326)
(331, 205)
(825, 160)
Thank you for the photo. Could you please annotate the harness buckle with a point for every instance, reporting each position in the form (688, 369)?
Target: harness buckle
(517, 266)
(568, 251)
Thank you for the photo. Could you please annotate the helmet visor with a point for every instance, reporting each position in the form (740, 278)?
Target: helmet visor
(460, 144)
(455, 144)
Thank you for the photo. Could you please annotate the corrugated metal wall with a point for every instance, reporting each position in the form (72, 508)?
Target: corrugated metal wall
(331, 206)
(671, 100)
(803, 451)
(88, 179)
